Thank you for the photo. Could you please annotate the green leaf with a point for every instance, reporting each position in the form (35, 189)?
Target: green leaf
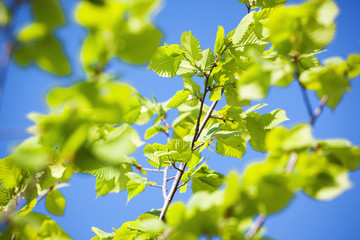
(268, 186)
(297, 138)
(117, 144)
(4, 16)
(55, 202)
(47, 52)
(137, 45)
(206, 179)
(104, 186)
(166, 61)
(191, 46)
(186, 69)
(136, 178)
(269, 3)
(219, 42)
(353, 63)
(179, 98)
(180, 150)
(300, 29)
(134, 188)
(208, 60)
(101, 234)
(242, 28)
(231, 146)
(192, 86)
(327, 81)
(4, 196)
(215, 94)
(258, 125)
(152, 131)
(48, 12)
(8, 173)
(320, 176)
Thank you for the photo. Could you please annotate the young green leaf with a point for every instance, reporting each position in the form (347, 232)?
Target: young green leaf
(166, 61)
(55, 202)
(191, 46)
(179, 98)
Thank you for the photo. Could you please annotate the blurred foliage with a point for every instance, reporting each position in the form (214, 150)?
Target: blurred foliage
(90, 126)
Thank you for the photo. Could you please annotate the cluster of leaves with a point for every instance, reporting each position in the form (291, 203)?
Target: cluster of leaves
(89, 127)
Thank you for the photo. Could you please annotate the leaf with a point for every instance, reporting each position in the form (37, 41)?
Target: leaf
(116, 145)
(206, 179)
(269, 3)
(269, 187)
(303, 28)
(297, 138)
(166, 61)
(101, 234)
(48, 12)
(231, 146)
(191, 46)
(327, 81)
(192, 86)
(208, 60)
(47, 52)
(8, 173)
(138, 45)
(215, 94)
(180, 150)
(353, 63)
(136, 178)
(4, 15)
(242, 28)
(134, 188)
(219, 42)
(186, 69)
(179, 98)
(152, 131)
(55, 202)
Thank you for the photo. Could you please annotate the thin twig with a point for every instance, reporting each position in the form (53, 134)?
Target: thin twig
(318, 110)
(174, 166)
(198, 130)
(196, 147)
(256, 226)
(223, 119)
(164, 190)
(170, 178)
(149, 169)
(46, 193)
(154, 185)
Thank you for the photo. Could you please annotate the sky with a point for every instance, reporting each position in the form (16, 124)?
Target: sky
(304, 218)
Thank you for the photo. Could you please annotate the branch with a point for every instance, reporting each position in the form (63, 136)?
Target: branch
(289, 169)
(164, 190)
(318, 110)
(148, 169)
(256, 227)
(222, 118)
(46, 193)
(170, 178)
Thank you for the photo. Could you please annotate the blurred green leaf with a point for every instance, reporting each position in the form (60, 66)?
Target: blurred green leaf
(55, 202)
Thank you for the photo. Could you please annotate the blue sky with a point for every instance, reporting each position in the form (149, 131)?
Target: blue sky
(304, 218)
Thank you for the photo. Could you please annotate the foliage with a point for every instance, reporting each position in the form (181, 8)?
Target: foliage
(90, 127)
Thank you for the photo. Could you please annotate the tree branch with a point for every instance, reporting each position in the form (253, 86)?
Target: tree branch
(289, 168)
